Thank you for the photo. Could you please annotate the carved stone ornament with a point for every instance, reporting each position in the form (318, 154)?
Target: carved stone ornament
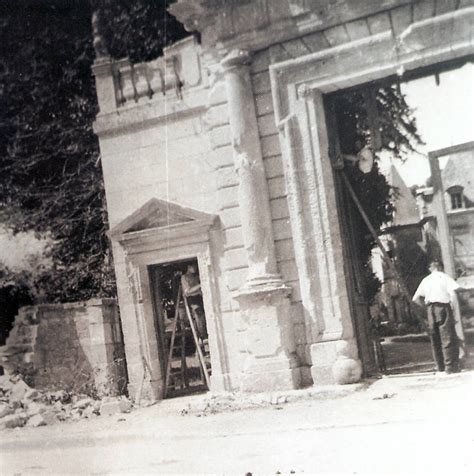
(193, 14)
(236, 57)
(98, 40)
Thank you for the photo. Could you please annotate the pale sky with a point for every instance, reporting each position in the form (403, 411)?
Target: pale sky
(445, 117)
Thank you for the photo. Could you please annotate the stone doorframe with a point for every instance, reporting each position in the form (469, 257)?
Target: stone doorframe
(191, 235)
(298, 87)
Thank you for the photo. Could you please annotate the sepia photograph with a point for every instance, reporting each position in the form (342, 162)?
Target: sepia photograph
(237, 237)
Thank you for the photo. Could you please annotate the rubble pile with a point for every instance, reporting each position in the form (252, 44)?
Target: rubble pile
(21, 405)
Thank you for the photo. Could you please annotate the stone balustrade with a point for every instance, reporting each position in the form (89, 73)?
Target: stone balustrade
(177, 70)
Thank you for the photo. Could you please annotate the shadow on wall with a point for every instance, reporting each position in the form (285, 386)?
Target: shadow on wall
(74, 347)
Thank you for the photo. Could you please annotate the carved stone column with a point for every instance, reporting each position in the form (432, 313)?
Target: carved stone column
(253, 189)
(264, 298)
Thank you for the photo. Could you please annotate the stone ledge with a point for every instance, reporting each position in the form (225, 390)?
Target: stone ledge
(70, 305)
(160, 110)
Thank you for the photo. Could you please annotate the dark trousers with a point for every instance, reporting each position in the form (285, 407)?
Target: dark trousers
(197, 310)
(444, 340)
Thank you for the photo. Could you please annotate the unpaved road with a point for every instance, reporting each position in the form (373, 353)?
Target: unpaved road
(398, 426)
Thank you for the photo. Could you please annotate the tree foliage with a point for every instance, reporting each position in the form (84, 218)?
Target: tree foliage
(49, 155)
(399, 137)
(138, 29)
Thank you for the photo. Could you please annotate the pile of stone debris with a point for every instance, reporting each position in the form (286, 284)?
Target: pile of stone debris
(21, 405)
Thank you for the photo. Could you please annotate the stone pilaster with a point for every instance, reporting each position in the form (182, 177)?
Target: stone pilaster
(264, 298)
(103, 71)
(144, 366)
(331, 343)
(102, 68)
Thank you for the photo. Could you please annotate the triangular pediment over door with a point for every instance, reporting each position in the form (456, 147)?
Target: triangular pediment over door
(161, 220)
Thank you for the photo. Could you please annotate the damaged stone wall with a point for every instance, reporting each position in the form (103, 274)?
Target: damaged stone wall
(76, 347)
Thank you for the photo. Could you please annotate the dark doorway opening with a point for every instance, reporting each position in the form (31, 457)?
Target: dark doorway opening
(177, 299)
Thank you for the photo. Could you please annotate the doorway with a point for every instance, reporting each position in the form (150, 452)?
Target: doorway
(394, 122)
(181, 327)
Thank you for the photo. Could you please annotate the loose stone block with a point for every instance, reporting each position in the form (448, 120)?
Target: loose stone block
(5, 409)
(19, 390)
(112, 407)
(33, 408)
(14, 421)
(36, 420)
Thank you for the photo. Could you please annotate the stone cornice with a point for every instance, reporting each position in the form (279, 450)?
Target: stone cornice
(257, 24)
(151, 112)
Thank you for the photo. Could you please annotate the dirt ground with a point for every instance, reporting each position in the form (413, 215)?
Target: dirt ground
(416, 424)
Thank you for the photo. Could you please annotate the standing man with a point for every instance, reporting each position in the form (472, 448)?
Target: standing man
(438, 292)
(191, 286)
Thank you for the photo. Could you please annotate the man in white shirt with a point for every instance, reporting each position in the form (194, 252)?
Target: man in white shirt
(438, 291)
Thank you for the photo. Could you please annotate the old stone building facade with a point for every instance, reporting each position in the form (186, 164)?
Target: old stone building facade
(220, 151)
(458, 184)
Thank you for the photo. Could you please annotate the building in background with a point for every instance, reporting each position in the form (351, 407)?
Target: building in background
(404, 240)
(458, 183)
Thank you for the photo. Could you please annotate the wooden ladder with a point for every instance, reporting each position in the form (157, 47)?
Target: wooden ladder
(179, 330)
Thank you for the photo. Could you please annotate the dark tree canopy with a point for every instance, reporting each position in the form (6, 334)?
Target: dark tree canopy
(138, 29)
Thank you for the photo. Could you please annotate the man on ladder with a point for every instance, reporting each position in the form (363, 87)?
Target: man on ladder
(191, 287)
(190, 294)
